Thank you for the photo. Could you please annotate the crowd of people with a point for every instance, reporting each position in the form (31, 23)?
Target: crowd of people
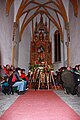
(13, 78)
(70, 79)
(65, 78)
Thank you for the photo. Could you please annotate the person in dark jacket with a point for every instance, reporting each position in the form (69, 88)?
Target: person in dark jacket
(68, 81)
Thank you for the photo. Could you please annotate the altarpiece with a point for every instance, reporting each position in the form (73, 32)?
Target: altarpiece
(41, 45)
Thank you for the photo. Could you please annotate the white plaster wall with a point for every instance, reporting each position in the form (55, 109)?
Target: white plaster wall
(24, 49)
(52, 30)
(64, 56)
(75, 36)
(66, 5)
(16, 55)
(6, 31)
(63, 46)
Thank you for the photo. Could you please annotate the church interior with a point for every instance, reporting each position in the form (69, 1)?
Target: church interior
(37, 41)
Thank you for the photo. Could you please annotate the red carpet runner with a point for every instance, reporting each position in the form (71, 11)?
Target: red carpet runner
(39, 105)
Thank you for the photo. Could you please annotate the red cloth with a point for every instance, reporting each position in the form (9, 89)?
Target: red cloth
(14, 78)
(6, 71)
(23, 76)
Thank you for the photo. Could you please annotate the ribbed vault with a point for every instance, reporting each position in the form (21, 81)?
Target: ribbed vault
(51, 8)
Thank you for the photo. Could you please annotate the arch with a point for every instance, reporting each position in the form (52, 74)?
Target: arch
(75, 7)
(61, 7)
(21, 9)
(58, 3)
(8, 5)
(58, 12)
(34, 15)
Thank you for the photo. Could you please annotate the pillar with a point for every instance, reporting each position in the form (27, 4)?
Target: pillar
(68, 43)
(14, 43)
(62, 39)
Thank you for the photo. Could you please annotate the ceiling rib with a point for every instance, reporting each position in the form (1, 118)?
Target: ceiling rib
(75, 6)
(26, 3)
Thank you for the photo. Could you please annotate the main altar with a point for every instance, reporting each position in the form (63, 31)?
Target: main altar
(41, 55)
(41, 45)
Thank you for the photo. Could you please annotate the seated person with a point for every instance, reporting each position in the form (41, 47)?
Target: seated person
(6, 69)
(24, 76)
(19, 82)
(5, 85)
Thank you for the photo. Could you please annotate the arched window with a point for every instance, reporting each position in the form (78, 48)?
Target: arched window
(57, 46)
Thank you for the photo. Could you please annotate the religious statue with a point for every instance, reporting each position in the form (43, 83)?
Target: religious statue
(41, 36)
(35, 37)
(47, 37)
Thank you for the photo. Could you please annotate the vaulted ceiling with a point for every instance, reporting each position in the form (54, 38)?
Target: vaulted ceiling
(29, 9)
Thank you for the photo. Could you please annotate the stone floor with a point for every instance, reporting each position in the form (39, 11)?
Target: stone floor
(6, 101)
(72, 101)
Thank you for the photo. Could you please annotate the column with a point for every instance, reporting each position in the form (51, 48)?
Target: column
(14, 43)
(62, 39)
(68, 43)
